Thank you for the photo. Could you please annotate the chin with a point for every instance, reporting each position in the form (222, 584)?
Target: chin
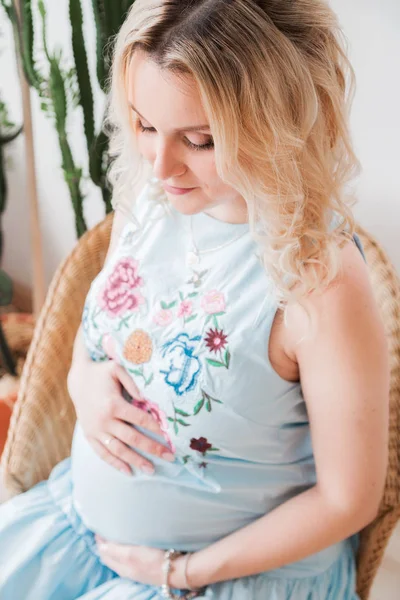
(184, 206)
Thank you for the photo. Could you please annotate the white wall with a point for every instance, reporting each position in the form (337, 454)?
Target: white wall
(372, 28)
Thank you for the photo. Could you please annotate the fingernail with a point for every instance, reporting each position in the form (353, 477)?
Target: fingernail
(148, 470)
(125, 471)
(168, 456)
(102, 547)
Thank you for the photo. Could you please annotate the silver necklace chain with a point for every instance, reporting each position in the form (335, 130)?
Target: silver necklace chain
(193, 256)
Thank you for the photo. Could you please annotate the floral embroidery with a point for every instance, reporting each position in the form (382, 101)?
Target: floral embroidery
(138, 348)
(121, 292)
(177, 420)
(216, 341)
(213, 302)
(184, 366)
(197, 278)
(185, 308)
(158, 415)
(205, 400)
(203, 446)
(163, 317)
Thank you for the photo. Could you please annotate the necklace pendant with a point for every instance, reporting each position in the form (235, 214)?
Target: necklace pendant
(192, 258)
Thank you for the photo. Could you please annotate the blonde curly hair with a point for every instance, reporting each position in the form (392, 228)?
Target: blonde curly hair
(276, 84)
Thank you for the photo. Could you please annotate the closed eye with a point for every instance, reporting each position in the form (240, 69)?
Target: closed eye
(208, 146)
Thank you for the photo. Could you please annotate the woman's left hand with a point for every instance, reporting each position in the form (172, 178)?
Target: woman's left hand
(140, 563)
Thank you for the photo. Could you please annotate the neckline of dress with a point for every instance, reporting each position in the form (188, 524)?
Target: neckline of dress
(202, 218)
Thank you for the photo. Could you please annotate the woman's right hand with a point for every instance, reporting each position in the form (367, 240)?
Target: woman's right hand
(106, 418)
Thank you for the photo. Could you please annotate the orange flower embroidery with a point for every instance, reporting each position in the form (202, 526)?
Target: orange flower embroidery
(138, 347)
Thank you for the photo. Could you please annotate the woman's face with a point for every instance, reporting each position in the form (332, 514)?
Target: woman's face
(174, 137)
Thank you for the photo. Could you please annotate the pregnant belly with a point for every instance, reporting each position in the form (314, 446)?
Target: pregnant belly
(173, 507)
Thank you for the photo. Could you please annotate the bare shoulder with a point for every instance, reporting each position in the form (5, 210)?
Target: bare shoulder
(348, 304)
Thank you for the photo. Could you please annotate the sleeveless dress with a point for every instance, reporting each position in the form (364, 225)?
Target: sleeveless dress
(195, 339)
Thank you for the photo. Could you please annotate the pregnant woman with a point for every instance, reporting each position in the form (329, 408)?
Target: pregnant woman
(231, 374)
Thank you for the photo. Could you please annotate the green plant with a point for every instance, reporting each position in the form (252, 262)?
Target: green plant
(61, 88)
(8, 133)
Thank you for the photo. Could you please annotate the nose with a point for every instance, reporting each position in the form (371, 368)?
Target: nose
(167, 164)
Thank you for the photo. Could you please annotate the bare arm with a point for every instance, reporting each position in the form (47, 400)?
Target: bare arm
(344, 371)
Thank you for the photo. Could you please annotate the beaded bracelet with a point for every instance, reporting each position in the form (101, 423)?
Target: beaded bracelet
(166, 592)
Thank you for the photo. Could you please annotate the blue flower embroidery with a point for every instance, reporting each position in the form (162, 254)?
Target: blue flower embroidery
(184, 367)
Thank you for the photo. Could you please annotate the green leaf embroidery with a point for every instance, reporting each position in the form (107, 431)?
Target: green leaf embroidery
(211, 398)
(215, 363)
(135, 372)
(181, 422)
(123, 322)
(198, 407)
(150, 379)
(193, 294)
(208, 406)
(213, 449)
(172, 304)
(181, 296)
(182, 412)
(190, 318)
(208, 319)
(227, 358)
(164, 305)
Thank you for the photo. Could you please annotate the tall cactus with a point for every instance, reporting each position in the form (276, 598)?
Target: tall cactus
(59, 88)
(8, 133)
(109, 16)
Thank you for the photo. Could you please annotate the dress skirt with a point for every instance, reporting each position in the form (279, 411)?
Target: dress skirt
(47, 553)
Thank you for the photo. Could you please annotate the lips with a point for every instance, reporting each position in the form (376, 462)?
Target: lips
(176, 190)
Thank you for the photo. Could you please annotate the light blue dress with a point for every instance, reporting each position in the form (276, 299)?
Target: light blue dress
(195, 339)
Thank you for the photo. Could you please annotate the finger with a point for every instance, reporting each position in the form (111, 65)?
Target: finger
(120, 569)
(108, 457)
(126, 380)
(125, 455)
(124, 553)
(136, 416)
(117, 557)
(131, 437)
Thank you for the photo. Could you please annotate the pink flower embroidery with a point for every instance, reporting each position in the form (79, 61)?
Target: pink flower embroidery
(163, 317)
(185, 308)
(120, 292)
(213, 302)
(158, 415)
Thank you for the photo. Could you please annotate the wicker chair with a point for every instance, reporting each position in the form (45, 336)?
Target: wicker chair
(43, 419)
